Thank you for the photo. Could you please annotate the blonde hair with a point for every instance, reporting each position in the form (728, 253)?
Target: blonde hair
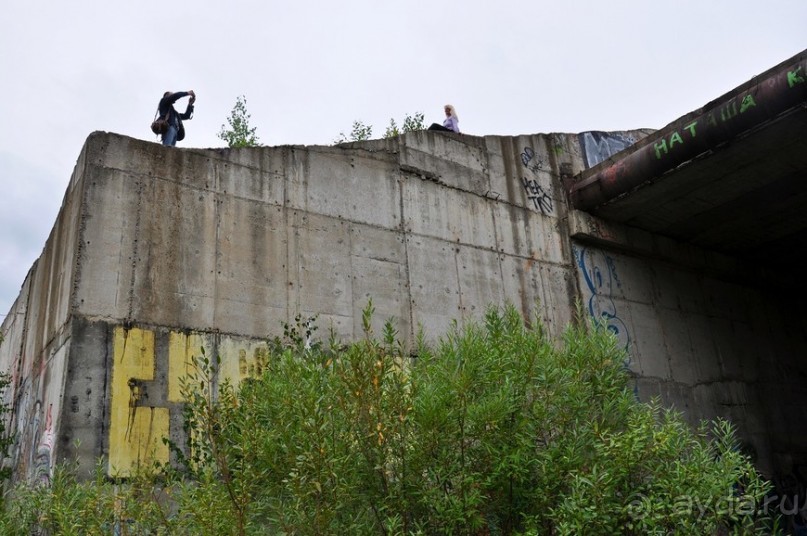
(451, 111)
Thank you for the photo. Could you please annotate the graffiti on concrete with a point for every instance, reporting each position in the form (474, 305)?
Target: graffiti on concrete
(541, 200)
(664, 146)
(136, 429)
(143, 395)
(531, 161)
(182, 351)
(598, 146)
(44, 451)
(31, 453)
(30, 431)
(539, 197)
(793, 77)
(252, 368)
(600, 278)
(725, 113)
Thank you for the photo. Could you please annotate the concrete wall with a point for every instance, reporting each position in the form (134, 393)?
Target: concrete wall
(158, 251)
(708, 334)
(37, 332)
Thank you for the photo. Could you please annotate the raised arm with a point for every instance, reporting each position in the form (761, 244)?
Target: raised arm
(173, 97)
(188, 112)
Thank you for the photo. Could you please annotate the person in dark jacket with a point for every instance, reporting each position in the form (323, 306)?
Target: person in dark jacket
(176, 131)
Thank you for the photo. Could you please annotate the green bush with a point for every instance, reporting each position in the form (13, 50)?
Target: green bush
(238, 132)
(495, 430)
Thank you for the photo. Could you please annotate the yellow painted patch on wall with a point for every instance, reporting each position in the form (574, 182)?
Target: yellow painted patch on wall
(182, 349)
(241, 359)
(136, 430)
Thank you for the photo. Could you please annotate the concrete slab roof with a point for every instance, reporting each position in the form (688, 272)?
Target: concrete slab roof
(729, 177)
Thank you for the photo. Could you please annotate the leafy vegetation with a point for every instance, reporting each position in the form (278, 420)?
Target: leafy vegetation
(362, 132)
(239, 133)
(6, 436)
(410, 123)
(359, 132)
(495, 430)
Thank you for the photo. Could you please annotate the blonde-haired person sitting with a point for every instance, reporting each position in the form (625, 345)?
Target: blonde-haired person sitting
(451, 123)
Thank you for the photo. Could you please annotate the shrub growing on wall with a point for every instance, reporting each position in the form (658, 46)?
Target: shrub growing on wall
(495, 430)
(238, 132)
(6, 435)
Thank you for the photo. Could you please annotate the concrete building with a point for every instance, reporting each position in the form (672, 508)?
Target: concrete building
(158, 251)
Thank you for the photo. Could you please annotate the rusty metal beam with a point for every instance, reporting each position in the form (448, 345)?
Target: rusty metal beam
(747, 107)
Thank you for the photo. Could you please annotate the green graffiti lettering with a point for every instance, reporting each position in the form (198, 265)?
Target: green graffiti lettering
(793, 78)
(728, 111)
(748, 101)
(675, 138)
(691, 128)
(661, 146)
(711, 120)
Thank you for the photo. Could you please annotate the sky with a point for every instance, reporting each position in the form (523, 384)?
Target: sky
(308, 69)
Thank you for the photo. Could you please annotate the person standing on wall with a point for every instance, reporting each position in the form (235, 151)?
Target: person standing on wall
(451, 123)
(176, 131)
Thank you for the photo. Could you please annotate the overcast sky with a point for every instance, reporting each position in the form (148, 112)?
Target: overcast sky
(308, 69)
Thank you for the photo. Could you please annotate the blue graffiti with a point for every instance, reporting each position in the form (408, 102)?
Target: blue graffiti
(598, 146)
(599, 275)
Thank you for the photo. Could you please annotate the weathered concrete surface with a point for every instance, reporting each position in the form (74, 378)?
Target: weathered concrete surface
(233, 240)
(159, 251)
(707, 341)
(730, 177)
(157, 245)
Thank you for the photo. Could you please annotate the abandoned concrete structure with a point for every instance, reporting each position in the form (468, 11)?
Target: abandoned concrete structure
(680, 240)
